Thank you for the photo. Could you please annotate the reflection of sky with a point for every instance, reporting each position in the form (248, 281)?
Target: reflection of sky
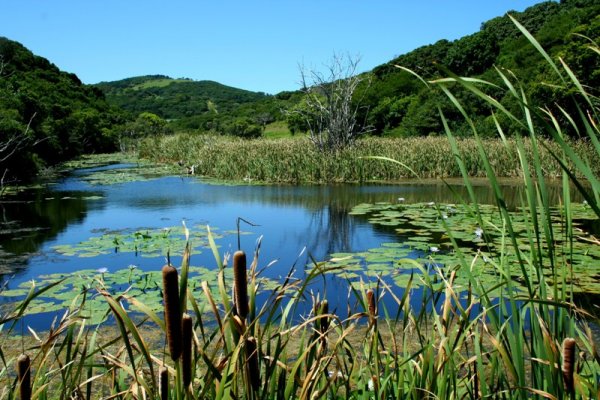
(290, 218)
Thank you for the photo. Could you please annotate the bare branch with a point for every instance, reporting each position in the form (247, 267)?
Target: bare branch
(330, 112)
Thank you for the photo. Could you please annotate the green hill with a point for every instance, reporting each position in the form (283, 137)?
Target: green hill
(47, 115)
(400, 105)
(175, 99)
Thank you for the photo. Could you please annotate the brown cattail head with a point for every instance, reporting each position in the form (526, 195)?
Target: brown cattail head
(163, 383)
(24, 375)
(186, 353)
(568, 365)
(371, 305)
(324, 310)
(172, 310)
(252, 364)
(240, 282)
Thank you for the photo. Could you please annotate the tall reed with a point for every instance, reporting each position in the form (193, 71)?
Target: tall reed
(296, 161)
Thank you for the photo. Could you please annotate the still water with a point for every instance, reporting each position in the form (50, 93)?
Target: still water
(296, 222)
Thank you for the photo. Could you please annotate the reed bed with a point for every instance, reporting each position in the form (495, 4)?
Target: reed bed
(443, 341)
(297, 161)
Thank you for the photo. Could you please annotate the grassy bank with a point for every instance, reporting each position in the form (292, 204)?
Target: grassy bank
(294, 160)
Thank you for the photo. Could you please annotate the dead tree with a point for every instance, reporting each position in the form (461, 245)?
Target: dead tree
(330, 110)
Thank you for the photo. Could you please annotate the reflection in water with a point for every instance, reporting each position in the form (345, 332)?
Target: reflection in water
(290, 218)
(32, 218)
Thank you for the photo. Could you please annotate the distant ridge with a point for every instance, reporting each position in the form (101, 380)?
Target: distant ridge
(175, 98)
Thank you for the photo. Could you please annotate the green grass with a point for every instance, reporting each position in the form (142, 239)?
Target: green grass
(157, 83)
(452, 339)
(277, 130)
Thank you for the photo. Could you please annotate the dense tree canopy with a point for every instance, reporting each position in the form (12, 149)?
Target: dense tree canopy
(46, 115)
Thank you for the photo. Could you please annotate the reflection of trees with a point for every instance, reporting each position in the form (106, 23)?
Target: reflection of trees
(28, 220)
(330, 229)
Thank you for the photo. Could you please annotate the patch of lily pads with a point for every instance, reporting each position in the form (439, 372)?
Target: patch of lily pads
(137, 290)
(144, 242)
(116, 168)
(471, 244)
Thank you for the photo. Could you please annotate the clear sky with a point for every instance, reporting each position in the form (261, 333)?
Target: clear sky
(255, 45)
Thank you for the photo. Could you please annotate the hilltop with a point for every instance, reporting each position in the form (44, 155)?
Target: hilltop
(175, 98)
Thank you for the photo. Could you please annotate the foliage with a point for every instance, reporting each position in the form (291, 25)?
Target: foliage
(48, 115)
(498, 43)
(173, 99)
(244, 128)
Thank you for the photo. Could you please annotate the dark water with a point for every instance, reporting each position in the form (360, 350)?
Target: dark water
(291, 218)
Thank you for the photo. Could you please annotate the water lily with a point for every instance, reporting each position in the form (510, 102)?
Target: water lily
(434, 249)
(478, 232)
(102, 270)
(401, 199)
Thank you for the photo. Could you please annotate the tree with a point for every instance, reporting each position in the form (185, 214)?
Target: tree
(330, 111)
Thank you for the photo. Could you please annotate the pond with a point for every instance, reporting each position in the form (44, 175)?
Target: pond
(90, 230)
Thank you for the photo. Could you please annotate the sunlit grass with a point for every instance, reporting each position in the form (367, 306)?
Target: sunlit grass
(295, 160)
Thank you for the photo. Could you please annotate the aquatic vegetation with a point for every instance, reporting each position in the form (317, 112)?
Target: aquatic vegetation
(143, 242)
(294, 160)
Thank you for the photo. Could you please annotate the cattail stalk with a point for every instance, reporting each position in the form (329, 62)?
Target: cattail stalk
(240, 281)
(186, 353)
(24, 375)
(252, 363)
(163, 383)
(568, 365)
(172, 310)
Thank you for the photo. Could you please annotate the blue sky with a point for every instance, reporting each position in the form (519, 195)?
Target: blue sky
(254, 45)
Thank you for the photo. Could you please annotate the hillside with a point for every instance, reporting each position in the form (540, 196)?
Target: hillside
(399, 105)
(174, 99)
(395, 103)
(47, 115)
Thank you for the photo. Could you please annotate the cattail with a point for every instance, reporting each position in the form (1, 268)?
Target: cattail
(172, 310)
(568, 353)
(24, 375)
(240, 284)
(186, 353)
(324, 310)
(371, 304)
(163, 383)
(252, 364)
